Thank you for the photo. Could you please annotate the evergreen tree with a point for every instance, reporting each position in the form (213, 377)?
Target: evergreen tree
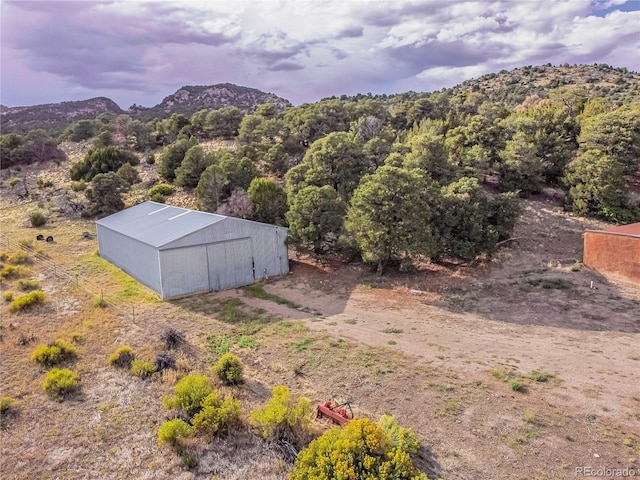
(390, 216)
(315, 219)
(269, 201)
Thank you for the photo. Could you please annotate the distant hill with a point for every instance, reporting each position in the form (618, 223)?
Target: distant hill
(512, 87)
(189, 99)
(54, 117)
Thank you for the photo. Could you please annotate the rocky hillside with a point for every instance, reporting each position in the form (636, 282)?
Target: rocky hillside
(54, 117)
(189, 99)
(513, 86)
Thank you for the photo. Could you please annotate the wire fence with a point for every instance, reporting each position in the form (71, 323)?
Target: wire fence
(67, 273)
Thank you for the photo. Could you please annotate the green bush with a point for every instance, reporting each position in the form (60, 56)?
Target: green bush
(190, 391)
(7, 405)
(361, 449)
(229, 369)
(79, 186)
(122, 357)
(27, 301)
(151, 159)
(54, 353)
(172, 431)
(7, 296)
(539, 376)
(399, 437)
(163, 189)
(10, 271)
(281, 417)
(158, 198)
(19, 257)
(515, 385)
(142, 369)
(60, 382)
(218, 414)
(37, 219)
(27, 285)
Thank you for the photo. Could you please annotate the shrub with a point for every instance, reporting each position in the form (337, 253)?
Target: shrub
(399, 437)
(164, 361)
(100, 302)
(515, 385)
(43, 183)
(361, 449)
(529, 416)
(10, 271)
(190, 391)
(229, 369)
(539, 376)
(7, 296)
(172, 431)
(60, 382)
(156, 197)
(27, 285)
(7, 405)
(19, 257)
(151, 159)
(13, 181)
(163, 189)
(218, 415)
(37, 219)
(27, 301)
(142, 369)
(54, 353)
(79, 186)
(281, 417)
(172, 338)
(122, 357)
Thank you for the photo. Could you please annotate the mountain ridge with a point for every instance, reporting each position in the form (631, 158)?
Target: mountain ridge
(186, 100)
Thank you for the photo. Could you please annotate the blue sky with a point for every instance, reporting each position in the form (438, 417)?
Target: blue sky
(141, 51)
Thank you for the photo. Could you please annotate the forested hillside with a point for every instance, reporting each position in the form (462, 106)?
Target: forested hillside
(390, 180)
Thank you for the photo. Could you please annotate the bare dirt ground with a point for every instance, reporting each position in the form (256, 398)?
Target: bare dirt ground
(435, 348)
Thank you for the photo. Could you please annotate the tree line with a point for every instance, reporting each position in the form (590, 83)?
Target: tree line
(388, 180)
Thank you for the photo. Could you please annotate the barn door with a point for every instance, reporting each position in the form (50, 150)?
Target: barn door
(230, 264)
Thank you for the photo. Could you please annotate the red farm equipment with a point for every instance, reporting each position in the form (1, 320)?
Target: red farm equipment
(338, 413)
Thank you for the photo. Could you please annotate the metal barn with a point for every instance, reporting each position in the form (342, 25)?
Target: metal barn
(176, 251)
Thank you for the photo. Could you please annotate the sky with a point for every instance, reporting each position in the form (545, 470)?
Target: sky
(142, 51)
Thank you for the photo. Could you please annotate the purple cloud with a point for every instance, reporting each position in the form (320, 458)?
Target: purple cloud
(142, 51)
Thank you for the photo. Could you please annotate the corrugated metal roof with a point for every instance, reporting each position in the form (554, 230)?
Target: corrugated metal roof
(157, 224)
(632, 229)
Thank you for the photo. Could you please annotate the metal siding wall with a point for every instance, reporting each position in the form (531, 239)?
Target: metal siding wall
(131, 256)
(267, 246)
(270, 252)
(184, 271)
(230, 264)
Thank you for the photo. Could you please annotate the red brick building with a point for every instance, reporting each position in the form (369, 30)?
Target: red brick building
(614, 252)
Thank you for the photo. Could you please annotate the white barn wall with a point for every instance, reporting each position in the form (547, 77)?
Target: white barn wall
(184, 271)
(132, 256)
(268, 243)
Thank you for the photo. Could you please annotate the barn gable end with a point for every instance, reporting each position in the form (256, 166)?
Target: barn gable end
(176, 251)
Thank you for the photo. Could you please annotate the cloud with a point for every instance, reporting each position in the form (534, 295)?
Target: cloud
(142, 51)
(285, 66)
